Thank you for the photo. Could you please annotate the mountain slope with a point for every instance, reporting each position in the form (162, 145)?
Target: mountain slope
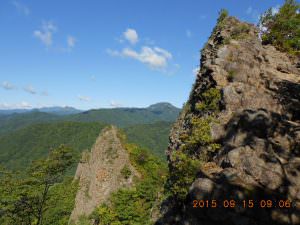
(151, 136)
(123, 117)
(15, 121)
(19, 148)
(235, 144)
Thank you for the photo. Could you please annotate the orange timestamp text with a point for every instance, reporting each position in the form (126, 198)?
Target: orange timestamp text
(249, 203)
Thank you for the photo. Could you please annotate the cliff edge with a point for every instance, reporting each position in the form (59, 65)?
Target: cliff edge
(237, 139)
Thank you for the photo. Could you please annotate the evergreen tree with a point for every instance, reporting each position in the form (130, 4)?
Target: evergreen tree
(282, 29)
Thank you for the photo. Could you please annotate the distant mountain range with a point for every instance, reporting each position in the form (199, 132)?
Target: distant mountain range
(121, 117)
(57, 110)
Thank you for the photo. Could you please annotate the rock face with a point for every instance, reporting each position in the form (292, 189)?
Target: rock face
(100, 173)
(256, 125)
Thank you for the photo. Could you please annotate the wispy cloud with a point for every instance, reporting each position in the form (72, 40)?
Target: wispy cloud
(7, 85)
(149, 41)
(25, 105)
(203, 17)
(84, 98)
(45, 33)
(30, 90)
(21, 8)
(71, 41)
(131, 36)
(44, 93)
(188, 33)
(115, 104)
(113, 52)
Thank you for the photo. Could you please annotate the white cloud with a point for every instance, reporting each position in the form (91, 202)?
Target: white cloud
(21, 8)
(115, 104)
(71, 41)
(84, 98)
(45, 34)
(131, 36)
(163, 52)
(188, 33)
(30, 90)
(25, 105)
(156, 58)
(5, 106)
(8, 86)
(153, 56)
(21, 105)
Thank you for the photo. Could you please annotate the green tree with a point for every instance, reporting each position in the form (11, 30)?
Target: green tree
(24, 200)
(282, 29)
(223, 13)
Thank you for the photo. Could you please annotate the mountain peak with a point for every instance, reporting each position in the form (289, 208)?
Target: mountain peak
(100, 172)
(161, 105)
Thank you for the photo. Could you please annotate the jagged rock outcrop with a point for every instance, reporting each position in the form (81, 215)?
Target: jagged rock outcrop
(100, 173)
(255, 129)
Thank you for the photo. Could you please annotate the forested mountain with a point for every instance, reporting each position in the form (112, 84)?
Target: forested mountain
(121, 117)
(151, 136)
(15, 121)
(19, 148)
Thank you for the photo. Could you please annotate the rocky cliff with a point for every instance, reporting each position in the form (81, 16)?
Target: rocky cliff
(236, 144)
(101, 172)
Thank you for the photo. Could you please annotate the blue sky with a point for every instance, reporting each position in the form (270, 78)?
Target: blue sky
(96, 54)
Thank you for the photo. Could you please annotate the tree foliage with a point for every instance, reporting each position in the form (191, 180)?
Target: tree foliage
(282, 29)
(223, 14)
(25, 200)
(19, 148)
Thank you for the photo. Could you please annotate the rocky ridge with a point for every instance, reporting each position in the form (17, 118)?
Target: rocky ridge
(100, 173)
(249, 96)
